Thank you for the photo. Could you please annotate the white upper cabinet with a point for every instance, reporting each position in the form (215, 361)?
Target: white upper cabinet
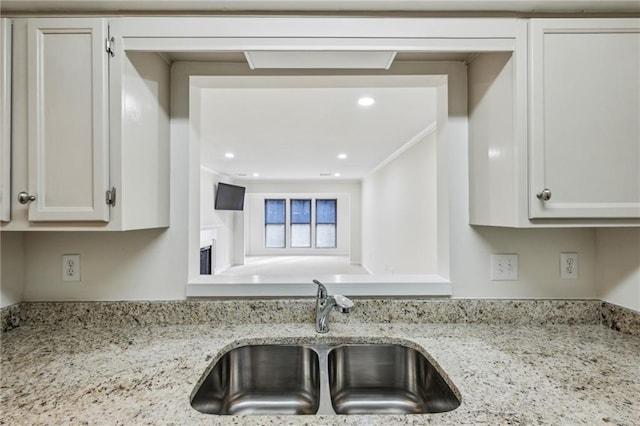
(553, 109)
(68, 135)
(584, 129)
(554, 129)
(90, 146)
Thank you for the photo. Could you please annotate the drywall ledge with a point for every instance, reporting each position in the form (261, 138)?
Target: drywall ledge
(294, 286)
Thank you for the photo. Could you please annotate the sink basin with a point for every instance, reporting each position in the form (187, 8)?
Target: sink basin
(386, 379)
(262, 379)
(324, 379)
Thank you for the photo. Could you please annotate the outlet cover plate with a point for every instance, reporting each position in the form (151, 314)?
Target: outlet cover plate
(504, 267)
(71, 267)
(569, 266)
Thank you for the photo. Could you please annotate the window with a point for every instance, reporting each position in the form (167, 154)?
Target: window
(274, 223)
(300, 223)
(301, 218)
(326, 223)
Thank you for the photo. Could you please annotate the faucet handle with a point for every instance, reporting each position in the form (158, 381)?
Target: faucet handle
(343, 303)
(322, 290)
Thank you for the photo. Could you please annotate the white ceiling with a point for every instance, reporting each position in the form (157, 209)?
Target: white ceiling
(298, 132)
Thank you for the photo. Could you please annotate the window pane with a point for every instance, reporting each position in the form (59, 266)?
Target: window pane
(300, 235)
(274, 236)
(326, 223)
(300, 211)
(274, 219)
(326, 211)
(274, 211)
(325, 236)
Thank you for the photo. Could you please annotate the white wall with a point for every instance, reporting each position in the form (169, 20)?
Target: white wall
(133, 265)
(471, 247)
(618, 270)
(11, 268)
(153, 264)
(349, 212)
(399, 221)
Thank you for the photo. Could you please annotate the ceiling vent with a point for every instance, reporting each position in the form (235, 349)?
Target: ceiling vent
(319, 60)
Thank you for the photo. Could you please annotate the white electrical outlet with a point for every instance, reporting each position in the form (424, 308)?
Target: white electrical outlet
(504, 267)
(70, 267)
(569, 266)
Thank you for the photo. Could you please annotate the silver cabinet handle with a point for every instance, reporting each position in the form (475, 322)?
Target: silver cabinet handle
(545, 195)
(24, 198)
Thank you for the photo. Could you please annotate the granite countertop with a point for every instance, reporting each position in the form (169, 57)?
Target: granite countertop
(145, 374)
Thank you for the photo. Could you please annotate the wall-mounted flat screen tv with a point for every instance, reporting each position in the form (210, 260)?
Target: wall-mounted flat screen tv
(229, 197)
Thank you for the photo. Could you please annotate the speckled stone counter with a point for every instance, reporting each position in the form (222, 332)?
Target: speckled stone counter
(238, 311)
(144, 374)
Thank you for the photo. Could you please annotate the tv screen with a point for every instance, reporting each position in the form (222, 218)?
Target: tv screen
(229, 197)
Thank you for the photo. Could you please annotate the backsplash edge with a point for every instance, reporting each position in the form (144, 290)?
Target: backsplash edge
(11, 316)
(620, 318)
(478, 311)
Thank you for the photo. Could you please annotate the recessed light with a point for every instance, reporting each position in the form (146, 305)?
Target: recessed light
(229, 155)
(256, 174)
(366, 101)
(336, 174)
(342, 156)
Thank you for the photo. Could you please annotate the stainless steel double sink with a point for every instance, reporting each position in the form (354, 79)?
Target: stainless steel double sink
(324, 379)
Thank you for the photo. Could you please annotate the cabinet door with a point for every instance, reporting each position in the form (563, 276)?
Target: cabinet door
(5, 119)
(68, 119)
(584, 118)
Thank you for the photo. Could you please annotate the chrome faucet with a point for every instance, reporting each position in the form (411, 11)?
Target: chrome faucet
(324, 304)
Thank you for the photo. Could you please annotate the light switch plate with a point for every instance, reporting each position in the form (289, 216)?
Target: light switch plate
(504, 267)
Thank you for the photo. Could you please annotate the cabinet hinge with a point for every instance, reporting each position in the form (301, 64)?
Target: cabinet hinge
(109, 46)
(111, 197)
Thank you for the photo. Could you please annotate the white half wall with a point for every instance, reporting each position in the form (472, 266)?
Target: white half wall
(399, 221)
(618, 269)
